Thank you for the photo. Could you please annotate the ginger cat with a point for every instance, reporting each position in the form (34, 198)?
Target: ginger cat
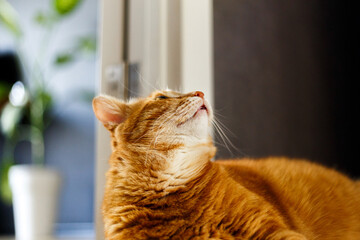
(162, 183)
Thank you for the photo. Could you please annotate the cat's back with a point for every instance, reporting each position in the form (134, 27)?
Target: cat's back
(315, 200)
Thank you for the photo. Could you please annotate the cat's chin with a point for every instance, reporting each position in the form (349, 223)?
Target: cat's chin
(202, 113)
(197, 127)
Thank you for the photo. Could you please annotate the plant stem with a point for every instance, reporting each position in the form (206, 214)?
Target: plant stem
(37, 110)
(37, 146)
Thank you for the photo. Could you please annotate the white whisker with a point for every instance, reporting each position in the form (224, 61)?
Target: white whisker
(225, 139)
(223, 126)
(144, 81)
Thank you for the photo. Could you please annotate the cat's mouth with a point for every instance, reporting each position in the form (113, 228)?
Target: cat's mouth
(202, 109)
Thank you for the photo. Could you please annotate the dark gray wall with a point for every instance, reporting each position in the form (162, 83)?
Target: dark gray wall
(280, 80)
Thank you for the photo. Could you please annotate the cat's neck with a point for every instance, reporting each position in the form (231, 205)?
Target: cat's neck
(188, 162)
(163, 173)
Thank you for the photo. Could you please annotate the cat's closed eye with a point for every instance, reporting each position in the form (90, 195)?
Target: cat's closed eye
(162, 97)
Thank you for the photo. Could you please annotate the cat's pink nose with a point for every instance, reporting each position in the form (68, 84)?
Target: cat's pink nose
(199, 94)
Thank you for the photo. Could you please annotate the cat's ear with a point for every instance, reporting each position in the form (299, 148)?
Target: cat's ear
(110, 111)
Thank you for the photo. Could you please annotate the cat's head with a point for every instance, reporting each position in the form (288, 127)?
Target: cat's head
(163, 119)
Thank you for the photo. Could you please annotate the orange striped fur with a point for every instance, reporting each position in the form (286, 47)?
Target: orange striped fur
(162, 183)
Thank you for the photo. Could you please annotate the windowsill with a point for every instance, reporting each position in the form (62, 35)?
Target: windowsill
(56, 238)
(62, 236)
(70, 231)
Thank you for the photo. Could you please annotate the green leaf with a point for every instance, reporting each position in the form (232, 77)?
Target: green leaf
(87, 44)
(10, 117)
(64, 58)
(45, 19)
(9, 17)
(5, 191)
(64, 7)
(41, 18)
(46, 100)
(4, 90)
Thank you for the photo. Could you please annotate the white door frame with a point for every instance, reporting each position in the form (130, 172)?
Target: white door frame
(174, 48)
(197, 47)
(111, 53)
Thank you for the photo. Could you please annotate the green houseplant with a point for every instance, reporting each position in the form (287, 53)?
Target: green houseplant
(28, 113)
(26, 116)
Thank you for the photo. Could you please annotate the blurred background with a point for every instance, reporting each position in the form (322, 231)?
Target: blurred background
(52, 52)
(284, 74)
(281, 75)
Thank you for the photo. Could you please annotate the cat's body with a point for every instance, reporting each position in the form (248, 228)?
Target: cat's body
(162, 185)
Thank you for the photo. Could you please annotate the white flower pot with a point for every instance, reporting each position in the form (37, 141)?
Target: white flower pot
(35, 196)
